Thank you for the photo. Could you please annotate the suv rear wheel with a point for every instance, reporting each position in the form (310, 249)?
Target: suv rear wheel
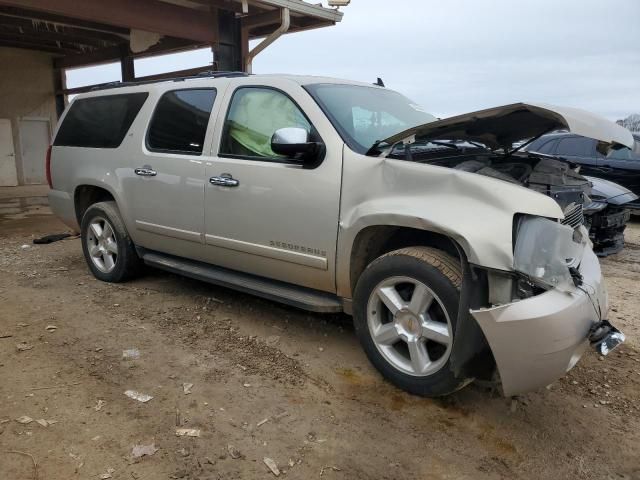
(405, 314)
(107, 247)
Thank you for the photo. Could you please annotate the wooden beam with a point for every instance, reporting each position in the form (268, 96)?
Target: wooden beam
(61, 21)
(104, 55)
(191, 72)
(12, 41)
(39, 48)
(33, 35)
(149, 15)
(113, 54)
(28, 25)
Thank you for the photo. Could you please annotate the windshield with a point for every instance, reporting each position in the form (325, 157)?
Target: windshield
(363, 115)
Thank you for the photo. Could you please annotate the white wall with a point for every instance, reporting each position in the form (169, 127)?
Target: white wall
(26, 90)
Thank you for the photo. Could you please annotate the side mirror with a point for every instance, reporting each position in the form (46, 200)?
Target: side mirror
(294, 142)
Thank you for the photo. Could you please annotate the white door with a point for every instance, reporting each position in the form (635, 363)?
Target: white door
(34, 141)
(8, 175)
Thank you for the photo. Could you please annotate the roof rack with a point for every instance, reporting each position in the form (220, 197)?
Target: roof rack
(205, 74)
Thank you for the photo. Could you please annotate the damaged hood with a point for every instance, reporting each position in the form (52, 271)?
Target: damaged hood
(500, 127)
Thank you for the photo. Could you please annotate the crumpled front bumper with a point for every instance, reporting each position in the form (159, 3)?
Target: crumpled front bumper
(537, 340)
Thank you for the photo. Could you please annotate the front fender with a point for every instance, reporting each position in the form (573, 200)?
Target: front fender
(473, 210)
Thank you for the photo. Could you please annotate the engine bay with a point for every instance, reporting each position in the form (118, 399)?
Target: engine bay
(551, 176)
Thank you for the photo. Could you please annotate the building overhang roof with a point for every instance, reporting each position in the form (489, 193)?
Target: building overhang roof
(93, 31)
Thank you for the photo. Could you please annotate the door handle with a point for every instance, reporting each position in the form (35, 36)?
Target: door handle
(224, 180)
(145, 171)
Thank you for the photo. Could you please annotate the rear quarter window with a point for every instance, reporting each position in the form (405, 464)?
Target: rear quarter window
(99, 122)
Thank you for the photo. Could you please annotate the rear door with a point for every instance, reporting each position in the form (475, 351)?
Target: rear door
(278, 219)
(166, 184)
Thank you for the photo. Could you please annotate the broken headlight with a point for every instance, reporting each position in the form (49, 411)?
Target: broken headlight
(546, 251)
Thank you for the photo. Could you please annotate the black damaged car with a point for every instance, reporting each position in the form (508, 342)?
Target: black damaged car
(620, 166)
(615, 183)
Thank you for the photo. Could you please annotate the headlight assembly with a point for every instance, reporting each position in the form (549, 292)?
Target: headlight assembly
(545, 250)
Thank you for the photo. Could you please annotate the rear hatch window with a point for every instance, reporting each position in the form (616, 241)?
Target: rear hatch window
(99, 122)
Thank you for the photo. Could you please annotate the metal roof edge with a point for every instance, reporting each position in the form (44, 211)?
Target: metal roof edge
(298, 6)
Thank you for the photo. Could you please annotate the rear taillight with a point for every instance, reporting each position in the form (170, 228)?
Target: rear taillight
(47, 166)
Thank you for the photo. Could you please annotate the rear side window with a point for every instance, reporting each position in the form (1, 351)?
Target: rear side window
(179, 123)
(99, 122)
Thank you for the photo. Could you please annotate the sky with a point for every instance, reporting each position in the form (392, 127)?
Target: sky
(457, 56)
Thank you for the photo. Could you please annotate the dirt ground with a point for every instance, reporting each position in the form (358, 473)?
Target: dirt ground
(268, 381)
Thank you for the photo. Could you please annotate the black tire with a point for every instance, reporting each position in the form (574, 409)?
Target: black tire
(127, 263)
(439, 272)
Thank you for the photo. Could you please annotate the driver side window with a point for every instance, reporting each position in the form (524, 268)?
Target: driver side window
(255, 113)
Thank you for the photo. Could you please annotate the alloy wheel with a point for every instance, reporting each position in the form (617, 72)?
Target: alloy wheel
(409, 326)
(102, 244)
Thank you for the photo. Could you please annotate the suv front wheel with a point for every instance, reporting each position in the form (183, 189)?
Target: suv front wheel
(405, 314)
(107, 247)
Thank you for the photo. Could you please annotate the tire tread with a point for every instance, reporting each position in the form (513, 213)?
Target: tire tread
(448, 265)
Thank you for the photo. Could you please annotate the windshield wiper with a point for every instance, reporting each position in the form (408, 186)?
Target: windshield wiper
(374, 150)
(508, 153)
(442, 144)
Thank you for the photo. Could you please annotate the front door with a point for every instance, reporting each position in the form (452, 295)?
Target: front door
(167, 186)
(273, 217)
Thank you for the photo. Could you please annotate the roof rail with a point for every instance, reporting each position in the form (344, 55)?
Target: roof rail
(205, 74)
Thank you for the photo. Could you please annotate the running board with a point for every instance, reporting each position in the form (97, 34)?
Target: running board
(300, 297)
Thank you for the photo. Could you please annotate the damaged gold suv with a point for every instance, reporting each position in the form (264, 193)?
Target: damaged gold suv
(459, 256)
